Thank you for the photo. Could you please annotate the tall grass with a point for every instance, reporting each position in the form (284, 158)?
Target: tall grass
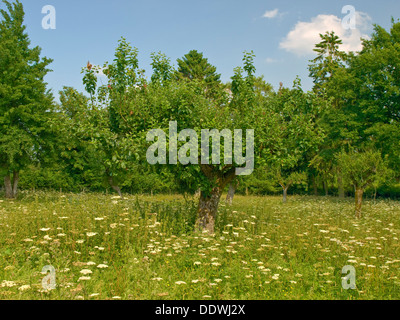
(145, 248)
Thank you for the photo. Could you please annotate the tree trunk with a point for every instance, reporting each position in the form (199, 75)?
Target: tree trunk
(359, 199)
(315, 186)
(207, 211)
(285, 190)
(11, 187)
(115, 187)
(326, 187)
(8, 187)
(208, 202)
(340, 184)
(231, 193)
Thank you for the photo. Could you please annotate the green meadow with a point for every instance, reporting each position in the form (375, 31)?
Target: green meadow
(144, 247)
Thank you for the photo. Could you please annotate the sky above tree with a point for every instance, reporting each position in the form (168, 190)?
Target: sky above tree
(281, 34)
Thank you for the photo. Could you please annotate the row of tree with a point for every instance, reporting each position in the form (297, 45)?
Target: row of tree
(345, 131)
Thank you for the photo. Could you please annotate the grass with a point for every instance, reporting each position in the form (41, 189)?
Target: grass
(144, 248)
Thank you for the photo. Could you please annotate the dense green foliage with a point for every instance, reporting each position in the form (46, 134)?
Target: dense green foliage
(25, 103)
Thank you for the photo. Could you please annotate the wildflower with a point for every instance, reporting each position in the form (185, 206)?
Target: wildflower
(24, 288)
(84, 279)
(8, 284)
(102, 266)
(180, 282)
(91, 234)
(86, 271)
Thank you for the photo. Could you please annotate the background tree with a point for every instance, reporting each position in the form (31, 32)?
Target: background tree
(108, 124)
(25, 103)
(328, 60)
(82, 162)
(327, 70)
(293, 115)
(194, 66)
(374, 99)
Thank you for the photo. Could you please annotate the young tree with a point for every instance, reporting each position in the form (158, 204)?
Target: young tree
(361, 169)
(25, 103)
(286, 177)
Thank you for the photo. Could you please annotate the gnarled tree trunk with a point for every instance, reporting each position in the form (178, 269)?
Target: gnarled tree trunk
(208, 208)
(11, 186)
(209, 202)
(359, 199)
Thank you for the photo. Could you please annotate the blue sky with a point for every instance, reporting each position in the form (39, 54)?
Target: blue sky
(281, 33)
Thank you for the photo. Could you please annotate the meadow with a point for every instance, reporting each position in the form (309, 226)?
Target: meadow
(144, 247)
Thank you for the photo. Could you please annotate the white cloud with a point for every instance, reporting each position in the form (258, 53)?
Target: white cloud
(270, 60)
(302, 39)
(271, 14)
